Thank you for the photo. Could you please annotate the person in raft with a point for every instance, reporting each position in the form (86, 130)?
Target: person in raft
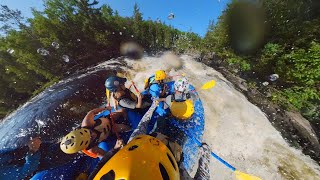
(149, 156)
(92, 133)
(23, 162)
(124, 97)
(158, 90)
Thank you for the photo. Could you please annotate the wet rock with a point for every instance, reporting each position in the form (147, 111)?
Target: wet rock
(304, 127)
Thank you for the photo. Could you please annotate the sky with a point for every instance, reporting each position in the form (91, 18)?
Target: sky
(191, 15)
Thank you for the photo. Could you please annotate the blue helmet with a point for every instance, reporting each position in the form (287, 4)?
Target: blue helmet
(113, 82)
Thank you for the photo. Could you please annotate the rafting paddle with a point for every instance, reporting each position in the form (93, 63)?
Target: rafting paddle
(239, 175)
(111, 116)
(135, 87)
(207, 85)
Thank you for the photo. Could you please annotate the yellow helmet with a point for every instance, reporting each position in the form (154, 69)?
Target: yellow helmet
(160, 75)
(182, 110)
(75, 141)
(145, 157)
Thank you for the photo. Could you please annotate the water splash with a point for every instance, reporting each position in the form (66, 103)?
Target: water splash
(24, 132)
(10, 51)
(171, 16)
(43, 52)
(66, 58)
(55, 45)
(273, 77)
(40, 124)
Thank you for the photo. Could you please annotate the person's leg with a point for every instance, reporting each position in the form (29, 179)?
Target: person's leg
(144, 122)
(120, 128)
(203, 172)
(121, 113)
(160, 125)
(120, 124)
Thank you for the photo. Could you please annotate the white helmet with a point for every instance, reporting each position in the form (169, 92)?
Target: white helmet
(181, 85)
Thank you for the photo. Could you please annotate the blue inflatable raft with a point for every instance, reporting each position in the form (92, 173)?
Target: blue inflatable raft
(175, 129)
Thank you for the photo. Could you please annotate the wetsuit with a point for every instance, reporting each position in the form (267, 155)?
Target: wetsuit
(18, 171)
(20, 163)
(101, 131)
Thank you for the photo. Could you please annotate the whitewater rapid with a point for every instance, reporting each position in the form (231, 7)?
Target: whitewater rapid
(236, 130)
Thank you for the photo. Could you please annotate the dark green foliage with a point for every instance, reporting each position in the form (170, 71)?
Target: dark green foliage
(273, 36)
(301, 67)
(85, 32)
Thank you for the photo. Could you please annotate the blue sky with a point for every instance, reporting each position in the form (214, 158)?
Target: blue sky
(189, 14)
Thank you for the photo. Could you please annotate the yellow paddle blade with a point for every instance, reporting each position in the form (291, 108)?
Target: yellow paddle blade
(208, 85)
(108, 95)
(244, 176)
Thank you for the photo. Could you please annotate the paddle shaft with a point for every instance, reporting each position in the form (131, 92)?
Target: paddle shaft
(113, 123)
(135, 87)
(200, 145)
(111, 116)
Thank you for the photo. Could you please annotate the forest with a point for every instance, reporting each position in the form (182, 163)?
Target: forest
(274, 45)
(65, 37)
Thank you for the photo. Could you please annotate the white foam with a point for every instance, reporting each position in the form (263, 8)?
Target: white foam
(237, 130)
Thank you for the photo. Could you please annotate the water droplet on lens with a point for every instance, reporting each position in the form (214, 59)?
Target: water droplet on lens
(273, 77)
(43, 52)
(65, 58)
(170, 16)
(10, 51)
(55, 45)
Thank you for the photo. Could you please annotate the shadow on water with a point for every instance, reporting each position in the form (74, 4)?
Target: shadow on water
(57, 110)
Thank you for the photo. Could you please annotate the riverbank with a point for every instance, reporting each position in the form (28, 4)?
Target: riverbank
(294, 128)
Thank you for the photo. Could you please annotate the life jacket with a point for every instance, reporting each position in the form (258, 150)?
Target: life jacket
(90, 154)
(127, 95)
(101, 132)
(148, 82)
(184, 96)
